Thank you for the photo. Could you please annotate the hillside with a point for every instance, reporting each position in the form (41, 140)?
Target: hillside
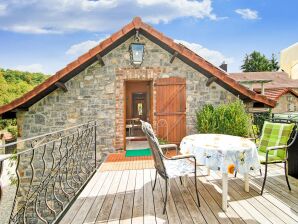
(14, 84)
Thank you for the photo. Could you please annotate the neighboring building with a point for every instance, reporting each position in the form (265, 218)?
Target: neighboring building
(274, 85)
(287, 99)
(289, 60)
(170, 84)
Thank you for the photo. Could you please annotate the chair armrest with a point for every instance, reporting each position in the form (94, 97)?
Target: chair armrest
(276, 147)
(185, 156)
(168, 146)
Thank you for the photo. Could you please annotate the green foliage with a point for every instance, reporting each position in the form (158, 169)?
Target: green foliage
(274, 63)
(258, 121)
(206, 123)
(14, 84)
(14, 76)
(7, 122)
(230, 119)
(257, 62)
(13, 130)
(162, 141)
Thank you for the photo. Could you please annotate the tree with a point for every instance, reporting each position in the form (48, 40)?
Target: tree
(14, 84)
(257, 62)
(274, 63)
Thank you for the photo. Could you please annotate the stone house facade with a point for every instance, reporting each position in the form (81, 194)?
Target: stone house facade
(93, 87)
(287, 102)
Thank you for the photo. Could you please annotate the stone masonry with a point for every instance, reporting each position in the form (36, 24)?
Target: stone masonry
(97, 93)
(286, 103)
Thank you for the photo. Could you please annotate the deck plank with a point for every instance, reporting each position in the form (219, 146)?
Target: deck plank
(78, 204)
(138, 201)
(100, 197)
(149, 211)
(215, 193)
(269, 205)
(121, 192)
(237, 196)
(191, 204)
(171, 210)
(277, 199)
(271, 217)
(126, 213)
(252, 199)
(234, 209)
(119, 199)
(214, 205)
(158, 201)
(278, 192)
(91, 197)
(183, 212)
(104, 213)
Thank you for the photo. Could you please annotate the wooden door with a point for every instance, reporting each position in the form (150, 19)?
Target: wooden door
(171, 109)
(139, 106)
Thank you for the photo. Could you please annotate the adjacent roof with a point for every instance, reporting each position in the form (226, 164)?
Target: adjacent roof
(279, 79)
(276, 93)
(113, 41)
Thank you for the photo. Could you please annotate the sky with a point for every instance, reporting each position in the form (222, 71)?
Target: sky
(45, 35)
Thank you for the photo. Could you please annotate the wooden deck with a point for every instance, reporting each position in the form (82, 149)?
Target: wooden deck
(121, 192)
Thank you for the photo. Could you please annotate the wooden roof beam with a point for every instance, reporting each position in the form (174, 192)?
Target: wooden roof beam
(211, 80)
(61, 86)
(173, 57)
(100, 60)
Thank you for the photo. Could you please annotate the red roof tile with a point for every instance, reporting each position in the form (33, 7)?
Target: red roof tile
(279, 79)
(138, 24)
(276, 93)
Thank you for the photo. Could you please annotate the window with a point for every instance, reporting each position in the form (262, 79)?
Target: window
(290, 98)
(291, 107)
(140, 109)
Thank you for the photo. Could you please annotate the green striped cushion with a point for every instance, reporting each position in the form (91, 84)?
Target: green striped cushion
(275, 134)
(271, 158)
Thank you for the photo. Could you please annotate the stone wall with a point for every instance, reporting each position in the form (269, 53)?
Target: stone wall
(97, 94)
(286, 103)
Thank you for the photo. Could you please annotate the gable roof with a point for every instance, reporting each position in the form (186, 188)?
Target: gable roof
(114, 40)
(276, 93)
(279, 79)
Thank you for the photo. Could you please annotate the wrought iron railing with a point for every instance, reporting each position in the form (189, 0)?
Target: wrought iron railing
(42, 179)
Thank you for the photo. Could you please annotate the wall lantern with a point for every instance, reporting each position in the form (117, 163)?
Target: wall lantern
(136, 50)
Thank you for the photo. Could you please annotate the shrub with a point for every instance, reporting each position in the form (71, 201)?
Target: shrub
(205, 121)
(7, 122)
(259, 119)
(13, 130)
(230, 119)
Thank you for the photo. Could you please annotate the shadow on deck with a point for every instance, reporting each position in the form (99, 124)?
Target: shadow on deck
(121, 192)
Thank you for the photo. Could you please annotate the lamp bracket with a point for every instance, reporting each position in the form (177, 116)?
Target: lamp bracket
(137, 36)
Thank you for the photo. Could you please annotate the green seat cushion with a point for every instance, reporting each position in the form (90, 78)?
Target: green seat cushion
(271, 158)
(275, 134)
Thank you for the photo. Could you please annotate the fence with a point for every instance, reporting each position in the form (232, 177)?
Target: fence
(42, 179)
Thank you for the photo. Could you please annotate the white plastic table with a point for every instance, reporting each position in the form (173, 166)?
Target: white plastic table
(220, 152)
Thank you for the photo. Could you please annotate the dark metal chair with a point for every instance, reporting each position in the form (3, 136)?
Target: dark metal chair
(267, 160)
(167, 168)
(268, 155)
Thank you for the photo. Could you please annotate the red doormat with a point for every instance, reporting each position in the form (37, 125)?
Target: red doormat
(120, 157)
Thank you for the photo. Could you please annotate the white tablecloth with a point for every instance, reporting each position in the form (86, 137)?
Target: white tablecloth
(219, 152)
